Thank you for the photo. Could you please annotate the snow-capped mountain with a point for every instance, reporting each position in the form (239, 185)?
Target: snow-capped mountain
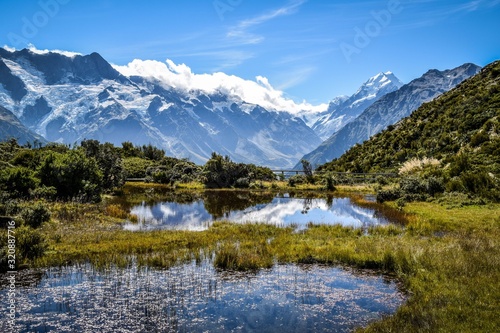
(342, 110)
(390, 109)
(70, 98)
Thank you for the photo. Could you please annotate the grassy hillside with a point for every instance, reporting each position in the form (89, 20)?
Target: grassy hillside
(455, 139)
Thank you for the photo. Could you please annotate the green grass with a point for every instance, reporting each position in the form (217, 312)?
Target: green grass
(446, 259)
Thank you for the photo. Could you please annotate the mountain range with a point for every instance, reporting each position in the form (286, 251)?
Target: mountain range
(389, 109)
(68, 98)
(459, 130)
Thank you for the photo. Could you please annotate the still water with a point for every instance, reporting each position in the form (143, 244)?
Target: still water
(198, 298)
(242, 207)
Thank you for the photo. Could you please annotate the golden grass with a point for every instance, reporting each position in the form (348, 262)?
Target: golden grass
(416, 164)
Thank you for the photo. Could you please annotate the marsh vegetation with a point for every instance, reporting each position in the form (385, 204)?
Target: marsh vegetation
(445, 256)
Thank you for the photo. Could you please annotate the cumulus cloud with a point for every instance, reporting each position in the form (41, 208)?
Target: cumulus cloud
(180, 76)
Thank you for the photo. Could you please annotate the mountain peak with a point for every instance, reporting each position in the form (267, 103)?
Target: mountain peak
(379, 81)
(389, 109)
(59, 67)
(343, 109)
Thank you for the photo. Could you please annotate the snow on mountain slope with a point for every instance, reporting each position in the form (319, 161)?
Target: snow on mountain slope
(341, 112)
(390, 109)
(70, 98)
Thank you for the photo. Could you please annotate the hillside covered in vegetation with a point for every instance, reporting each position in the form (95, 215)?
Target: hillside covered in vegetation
(450, 144)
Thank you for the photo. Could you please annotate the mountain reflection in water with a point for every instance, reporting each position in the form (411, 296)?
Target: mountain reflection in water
(244, 207)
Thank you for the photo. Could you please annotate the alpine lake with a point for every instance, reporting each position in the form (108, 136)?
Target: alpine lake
(197, 293)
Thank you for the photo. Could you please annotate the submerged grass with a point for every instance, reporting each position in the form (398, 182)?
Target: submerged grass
(447, 260)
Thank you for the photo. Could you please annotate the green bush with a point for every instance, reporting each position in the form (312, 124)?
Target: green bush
(479, 183)
(243, 182)
(329, 183)
(388, 195)
(434, 185)
(44, 192)
(26, 158)
(455, 185)
(381, 180)
(30, 243)
(35, 215)
(135, 167)
(73, 175)
(221, 172)
(412, 185)
(108, 159)
(297, 180)
(18, 181)
(479, 138)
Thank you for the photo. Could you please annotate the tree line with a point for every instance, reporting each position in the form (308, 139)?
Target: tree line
(85, 171)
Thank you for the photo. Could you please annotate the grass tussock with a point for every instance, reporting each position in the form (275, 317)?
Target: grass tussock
(417, 164)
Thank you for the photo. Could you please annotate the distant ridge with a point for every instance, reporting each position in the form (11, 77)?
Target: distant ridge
(461, 127)
(390, 109)
(12, 128)
(343, 110)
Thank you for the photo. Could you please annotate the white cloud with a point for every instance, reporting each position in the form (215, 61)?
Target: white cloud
(181, 77)
(10, 49)
(33, 49)
(240, 31)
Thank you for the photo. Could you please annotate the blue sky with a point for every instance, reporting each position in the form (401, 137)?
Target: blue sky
(311, 50)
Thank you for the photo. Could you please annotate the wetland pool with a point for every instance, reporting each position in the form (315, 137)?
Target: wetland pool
(198, 212)
(196, 297)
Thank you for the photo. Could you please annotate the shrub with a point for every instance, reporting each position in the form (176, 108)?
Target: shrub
(135, 167)
(44, 192)
(477, 183)
(73, 175)
(35, 215)
(400, 203)
(412, 185)
(296, 180)
(479, 138)
(388, 195)
(221, 172)
(109, 161)
(18, 181)
(434, 185)
(242, 182)
(26, 158)
(30, 243)
(455, 185)
(381, 180)
(330, 183)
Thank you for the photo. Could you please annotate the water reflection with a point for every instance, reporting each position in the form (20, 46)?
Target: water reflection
(198, 298)
(242, 207)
